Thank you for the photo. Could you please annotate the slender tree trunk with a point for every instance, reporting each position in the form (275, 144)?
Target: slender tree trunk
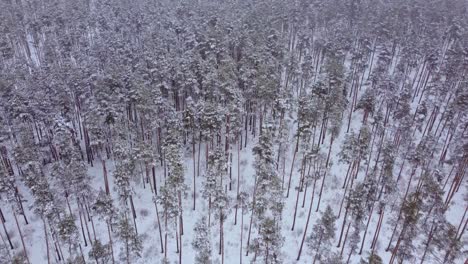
(194, 172)
(319, 247)
(238, 183)
(89, 217)
(292, 164)
(463, 230)
(343, 226)
(57, 252)
(251, 218)
(80, 207)
(372, 59)
(209, 210)
(106, 182)
(279, 137)
(180, 241)
(159, 227)
(326, 168)
(4, 229)
(345, 238)
(429, 238)
(82, 255)
(82, 228)
(177, 237)
(198, 156)
(347, 183)
(367, 226)
(295, 209)
(395, 250)
(351, 164)
(46, 240)
(307, 224)
(181, 217)
(241, 234)
(377, 230)
(134, 216)
(18, 197)
(110, 241)
(246, 122)
(21, 236)
(297, 198)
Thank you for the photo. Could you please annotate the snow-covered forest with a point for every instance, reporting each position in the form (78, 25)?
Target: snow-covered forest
(233, 131)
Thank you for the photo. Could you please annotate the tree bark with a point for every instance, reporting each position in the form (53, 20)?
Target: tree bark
(367, 226)
(4, 229)
(429, 238)
(110, 241)
(326, 168)
(47, 241)
(21, 236)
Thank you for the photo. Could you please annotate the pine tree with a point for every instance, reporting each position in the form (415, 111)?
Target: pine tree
(100, 252)
(332, 259)
(215, 175)
(202, 242)
(132, 244)
(68, 232)
(451, 245)
(404, 247)
(125, 168)
(19, 258)
(323, 232)
(5, 252)
(372, 259)
(103, 206)
(268, 200)
(69, 171)
(367, 103)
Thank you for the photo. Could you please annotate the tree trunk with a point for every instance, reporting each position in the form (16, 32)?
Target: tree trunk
(110, 241)
(292, 164)
(106, 182)
(82, 228)
(4, 229)
(326, 168)
(198, 156)
(238, 183)
(344, 240)
(180, 241)
(181, 217)
(279, 137)
(18, 197)
(80, 207)
(159, 227)
(351, 179)
(463, 230)
(377, 230)
(89, 217)
(153, 174)
(395, 250)
(307, 223)
(46, 240)
(134, 216)
(429, 238)
(241, 234)
(319, 247)
(367, 226)
(21, 236)
(343, 227)
(82, 255)
(297, 199)
(194, 171)
(251, 218)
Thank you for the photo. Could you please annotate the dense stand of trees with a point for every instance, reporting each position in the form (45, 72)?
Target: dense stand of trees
(366, 101)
